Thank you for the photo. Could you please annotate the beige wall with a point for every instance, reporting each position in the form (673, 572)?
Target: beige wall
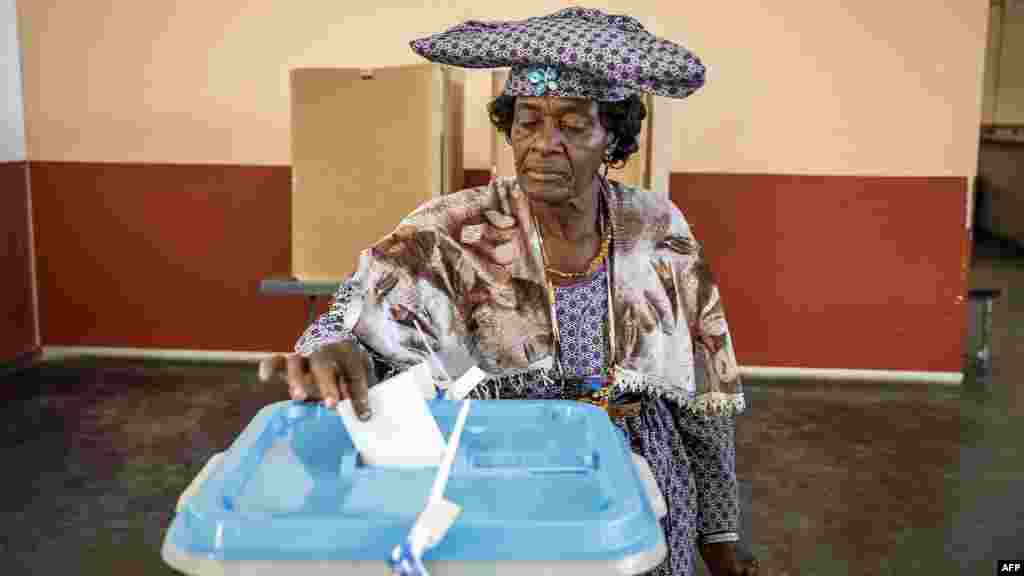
(837, 87)
(204, 82)
(830, 87)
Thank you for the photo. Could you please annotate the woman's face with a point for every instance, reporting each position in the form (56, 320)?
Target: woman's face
(559, 144)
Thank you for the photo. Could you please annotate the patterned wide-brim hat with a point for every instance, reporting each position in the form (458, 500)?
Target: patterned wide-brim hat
(575, 52)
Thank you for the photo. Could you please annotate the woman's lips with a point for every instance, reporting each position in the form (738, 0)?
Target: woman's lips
(546, 175)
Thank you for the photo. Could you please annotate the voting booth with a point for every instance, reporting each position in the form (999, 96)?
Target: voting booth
(367, 147)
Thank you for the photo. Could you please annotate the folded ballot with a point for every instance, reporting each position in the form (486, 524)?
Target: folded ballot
(402, 432)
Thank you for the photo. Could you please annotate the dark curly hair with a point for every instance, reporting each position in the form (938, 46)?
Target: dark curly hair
(622, 119)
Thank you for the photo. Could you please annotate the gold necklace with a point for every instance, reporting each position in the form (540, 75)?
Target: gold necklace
(592, 267)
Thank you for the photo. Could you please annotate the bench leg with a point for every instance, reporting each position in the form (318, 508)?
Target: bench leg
(985, 329)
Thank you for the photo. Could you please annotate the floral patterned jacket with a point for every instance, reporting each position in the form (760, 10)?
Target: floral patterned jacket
(465, 272)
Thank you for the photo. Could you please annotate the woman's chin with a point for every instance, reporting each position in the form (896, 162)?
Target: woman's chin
(547, 191)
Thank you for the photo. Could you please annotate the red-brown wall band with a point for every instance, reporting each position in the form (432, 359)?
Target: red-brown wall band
(163, 256)
(18, 335)
(819, 272)
(835, 271)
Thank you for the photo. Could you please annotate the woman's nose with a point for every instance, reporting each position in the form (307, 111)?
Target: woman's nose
(550, 138)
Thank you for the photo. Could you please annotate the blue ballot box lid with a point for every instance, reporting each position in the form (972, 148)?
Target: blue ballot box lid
(536, 480)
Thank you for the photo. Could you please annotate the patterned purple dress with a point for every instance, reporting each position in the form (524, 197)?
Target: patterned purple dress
(693, 459)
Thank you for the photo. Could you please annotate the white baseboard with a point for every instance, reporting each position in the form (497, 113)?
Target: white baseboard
(753, 372)
(850, 375)
(63, 352)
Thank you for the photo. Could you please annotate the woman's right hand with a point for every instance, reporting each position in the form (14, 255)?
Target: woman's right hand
(332, 373)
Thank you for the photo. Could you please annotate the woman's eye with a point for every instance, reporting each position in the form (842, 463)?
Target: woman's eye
(574, 123)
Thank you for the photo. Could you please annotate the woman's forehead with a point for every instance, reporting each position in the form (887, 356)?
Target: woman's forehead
(555, 104)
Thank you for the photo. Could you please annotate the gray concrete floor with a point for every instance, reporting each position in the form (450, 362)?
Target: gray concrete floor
(836, 478)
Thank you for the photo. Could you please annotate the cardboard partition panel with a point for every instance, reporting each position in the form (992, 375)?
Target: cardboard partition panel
(368, 146)
(648, 168)
(454, 136)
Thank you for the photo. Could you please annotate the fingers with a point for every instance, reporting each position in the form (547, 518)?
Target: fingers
(299, 379)
(342, 372)
(325, 375)
(332, 373)
(357, 377)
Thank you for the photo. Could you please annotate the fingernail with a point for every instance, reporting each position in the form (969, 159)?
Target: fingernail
(365, 415)
(330, 402)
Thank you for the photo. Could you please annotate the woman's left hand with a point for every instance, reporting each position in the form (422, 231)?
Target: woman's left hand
(728, 559)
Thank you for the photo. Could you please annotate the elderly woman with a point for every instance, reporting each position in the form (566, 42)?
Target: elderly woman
(560, 283)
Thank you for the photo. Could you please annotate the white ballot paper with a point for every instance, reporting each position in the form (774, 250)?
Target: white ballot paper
(465, 384)
(402, 432)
